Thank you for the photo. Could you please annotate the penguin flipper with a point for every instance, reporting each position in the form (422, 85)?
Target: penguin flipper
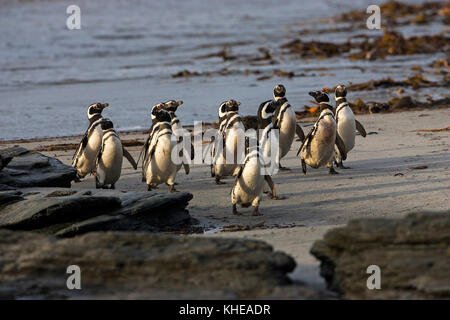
(360, 128)
(144, 148)
(127, 155)
(271, 185)
(300, 133)
(341, 146)
(237, 172)
(305, 141)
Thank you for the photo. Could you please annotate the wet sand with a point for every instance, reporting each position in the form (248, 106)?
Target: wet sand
(396, 170)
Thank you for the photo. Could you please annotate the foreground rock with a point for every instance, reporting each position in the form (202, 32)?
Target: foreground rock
(140, 265)
(413, 254)
(65, 212)
(32, 169)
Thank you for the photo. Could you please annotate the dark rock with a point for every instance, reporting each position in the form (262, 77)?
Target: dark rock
(412, 253)
(140, 265)
(30, 169)
(4, 160)
(70, 212)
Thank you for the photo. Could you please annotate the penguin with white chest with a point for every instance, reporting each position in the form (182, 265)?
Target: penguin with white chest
(317, 150)
(278, 114)
(232, 137)
(249, 180)
(171, 106)
(85, 156)
(110, 156)
(346, 124)
(158, 166)
(217, 147)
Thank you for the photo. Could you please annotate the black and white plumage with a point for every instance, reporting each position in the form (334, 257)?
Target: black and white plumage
(157, 166)
(346, 123)
(228, 149)
(249, 180)
(317, 149)
(109, 159)
(278, 114)
(171, 106)
(85, 157)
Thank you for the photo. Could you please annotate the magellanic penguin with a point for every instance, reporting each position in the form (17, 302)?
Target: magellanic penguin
(317, 149)
(158, 166)
(217, 146)
(233, 138)
(85, 157)
(346, 123)
(249, 180)
(171, 106)
(109, 159)
(278, 114)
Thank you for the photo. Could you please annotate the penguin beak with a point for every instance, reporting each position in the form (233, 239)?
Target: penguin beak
(104, 105)
(179, 103)
(238, 104)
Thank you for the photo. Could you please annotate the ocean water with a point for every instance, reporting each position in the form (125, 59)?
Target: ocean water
(127, 51)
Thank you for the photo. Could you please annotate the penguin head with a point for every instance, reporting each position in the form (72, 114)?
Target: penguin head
(232, 105)
(319, 96)
(159, 114)
(279, 91)
(155, 110)
(95, 109)
(222, 111)
(172, 105)
(340, 91)
(106, 124)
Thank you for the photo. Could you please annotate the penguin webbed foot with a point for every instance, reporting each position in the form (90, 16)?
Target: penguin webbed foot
(172, 188)
(332, 171)
(283, 168)
(256, 212)
(113, 187)
(149, 187)
(218, 182)
(271, 196)
(341, 166)
(235, 212)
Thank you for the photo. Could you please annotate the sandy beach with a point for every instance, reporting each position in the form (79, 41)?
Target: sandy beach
(396, 170)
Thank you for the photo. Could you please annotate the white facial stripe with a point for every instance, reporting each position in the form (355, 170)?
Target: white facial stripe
(264, 114)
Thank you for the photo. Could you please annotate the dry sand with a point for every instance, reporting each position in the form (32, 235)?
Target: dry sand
(385, 181)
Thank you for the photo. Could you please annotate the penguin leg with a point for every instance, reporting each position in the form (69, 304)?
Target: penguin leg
(172, 189)
(113, 186)
(332, 171)
(97, 183)
(256, 211)
(272, 194)
(283, 168)
(149, 187)
(304, 166)
(218, 180)
(341, 165)
(235, 212)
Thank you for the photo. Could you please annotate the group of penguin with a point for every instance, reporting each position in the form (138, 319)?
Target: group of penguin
(100, 151)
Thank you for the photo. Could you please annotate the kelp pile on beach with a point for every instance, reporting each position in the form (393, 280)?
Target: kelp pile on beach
(390, 43)
(400, 13)
(405, 103)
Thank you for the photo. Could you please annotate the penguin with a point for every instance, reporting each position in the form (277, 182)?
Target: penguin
(346, 124)
(249, 180)
(86, 154)
(317, 149)
(109, 159)
(171, 106)
(232, 133)
(217, 151)
(278, 114)
(158, 166)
